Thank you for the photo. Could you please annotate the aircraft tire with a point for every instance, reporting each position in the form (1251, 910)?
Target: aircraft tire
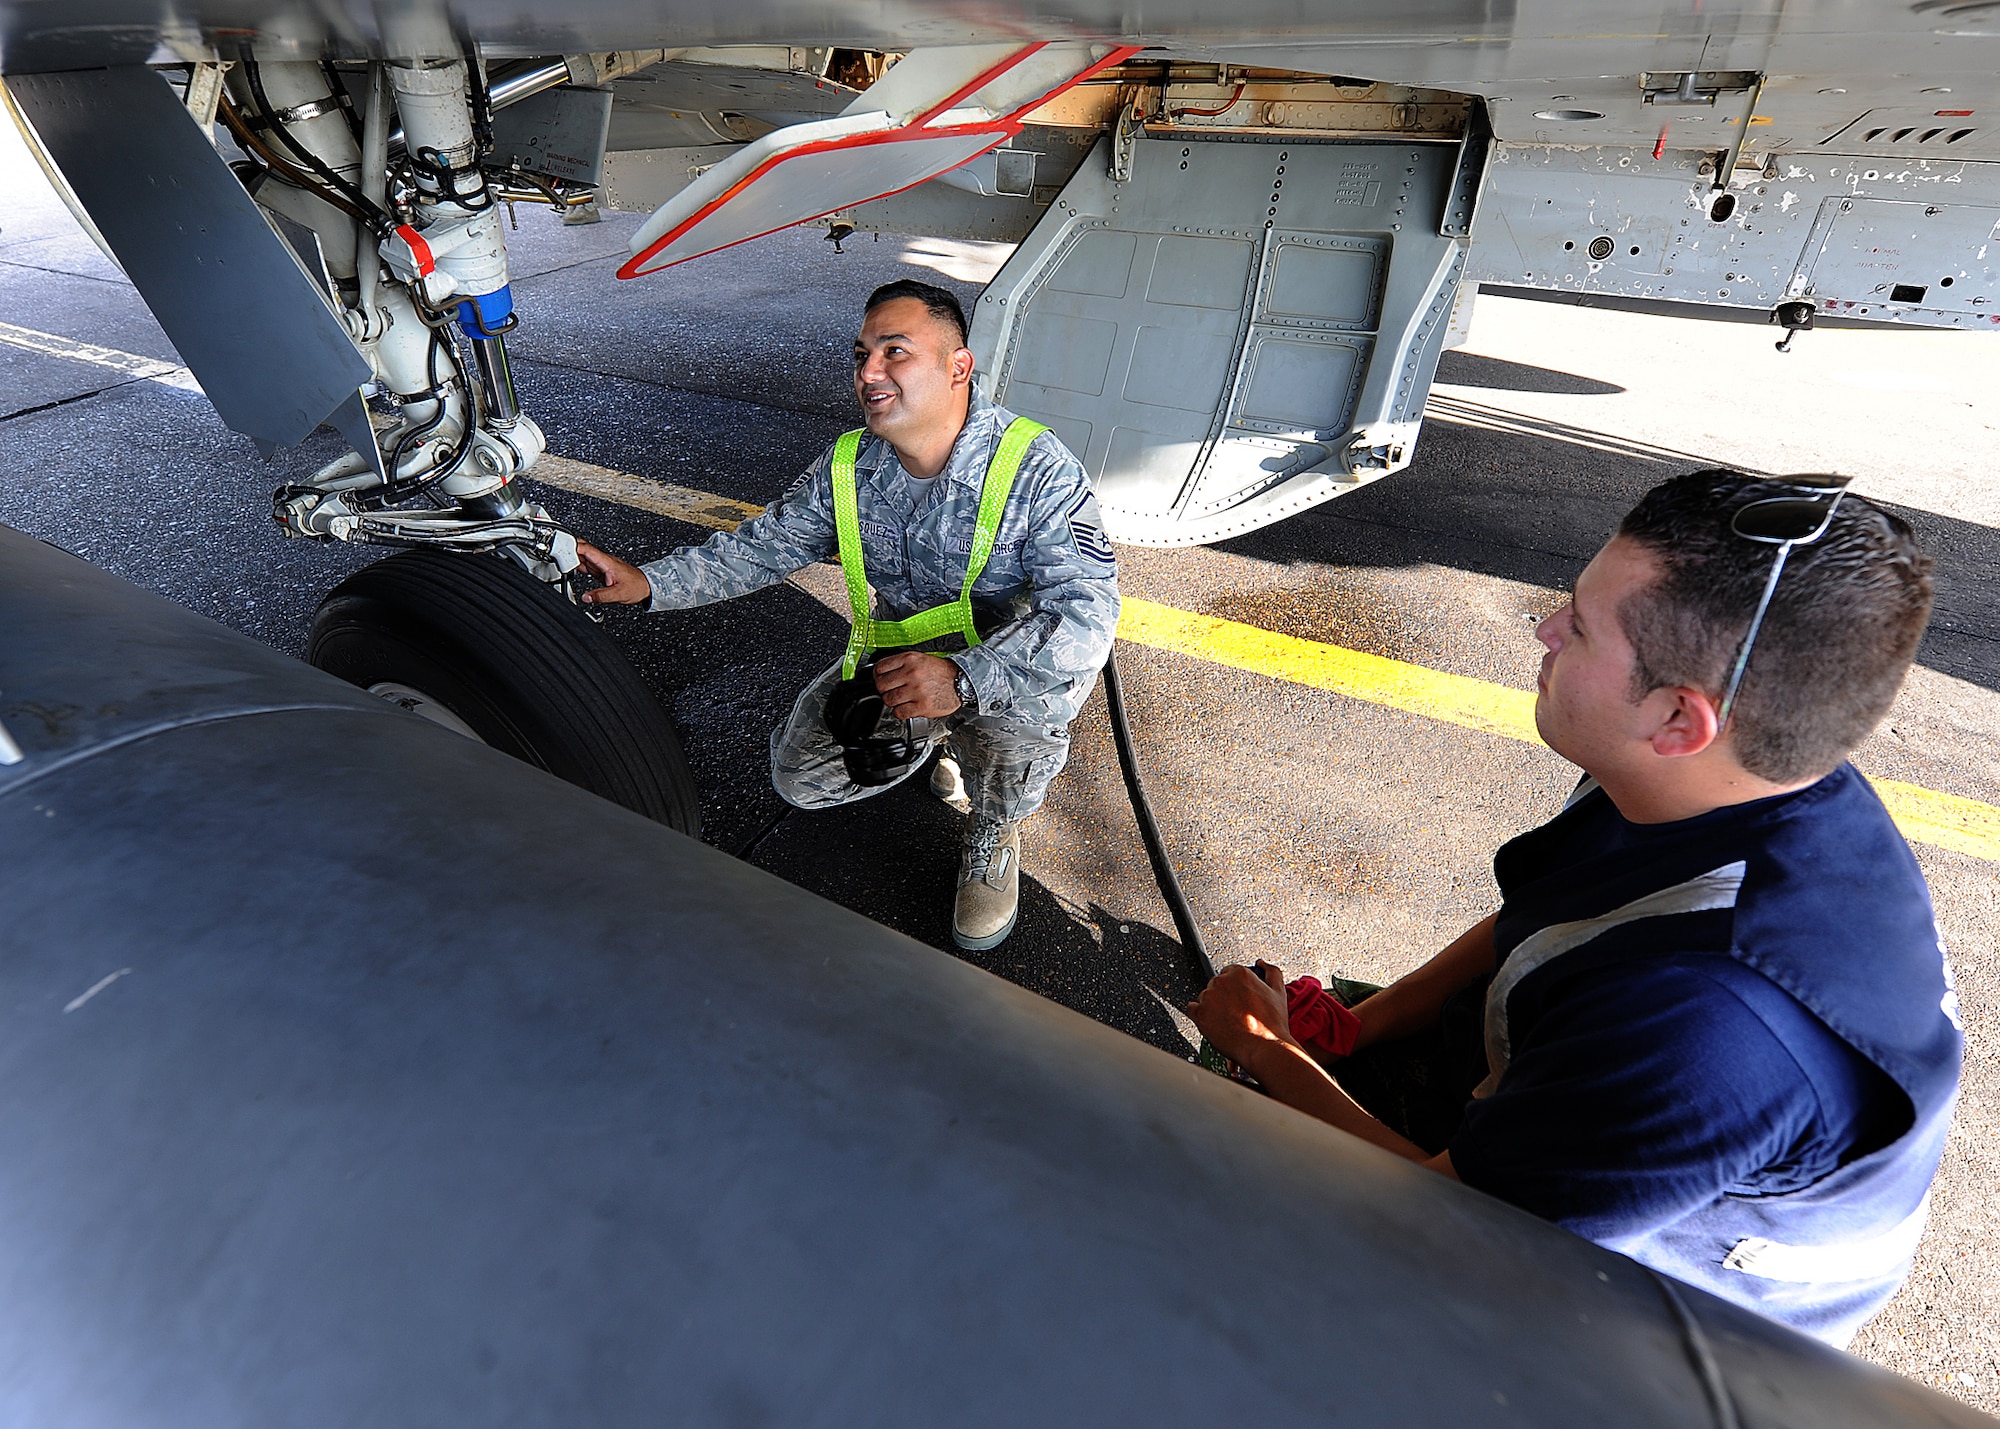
(531, 674)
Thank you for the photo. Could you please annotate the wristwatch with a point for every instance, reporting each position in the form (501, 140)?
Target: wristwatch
(968, 698)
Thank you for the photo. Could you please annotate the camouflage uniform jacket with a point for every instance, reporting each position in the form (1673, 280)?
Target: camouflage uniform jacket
(1046, 604)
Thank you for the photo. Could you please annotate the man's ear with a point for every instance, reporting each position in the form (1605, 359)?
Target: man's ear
(961, 366)
(1687, 723)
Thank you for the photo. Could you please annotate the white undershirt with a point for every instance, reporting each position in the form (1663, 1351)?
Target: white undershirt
(917, 488)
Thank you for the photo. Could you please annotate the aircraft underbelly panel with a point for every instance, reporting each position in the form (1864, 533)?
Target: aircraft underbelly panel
(1205, 334)
(1931, 258)
(1901, 241)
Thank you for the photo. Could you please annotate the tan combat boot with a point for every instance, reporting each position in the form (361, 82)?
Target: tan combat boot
(989, 885)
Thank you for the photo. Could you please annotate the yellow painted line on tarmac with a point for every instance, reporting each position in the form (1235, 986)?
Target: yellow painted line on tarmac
(683, 503)
(1456, 699)
(1945, 821)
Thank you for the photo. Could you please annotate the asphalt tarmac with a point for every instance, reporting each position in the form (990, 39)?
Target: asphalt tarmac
(1322, 833)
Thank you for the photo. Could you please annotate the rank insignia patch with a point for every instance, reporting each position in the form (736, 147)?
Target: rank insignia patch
(1088, 534)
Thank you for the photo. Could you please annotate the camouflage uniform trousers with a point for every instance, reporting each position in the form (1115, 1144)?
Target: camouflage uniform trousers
(1008, 764)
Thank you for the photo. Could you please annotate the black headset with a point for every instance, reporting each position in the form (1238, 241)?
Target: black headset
(854, 710)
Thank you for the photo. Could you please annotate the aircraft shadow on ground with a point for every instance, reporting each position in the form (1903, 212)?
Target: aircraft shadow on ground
(731, 673)
(1469, 369)
(895, 856)
(1533, 500)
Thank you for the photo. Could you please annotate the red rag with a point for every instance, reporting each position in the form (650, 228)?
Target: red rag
(1318, 1019)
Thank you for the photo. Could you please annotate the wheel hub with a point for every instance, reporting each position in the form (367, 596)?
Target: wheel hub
(423, 706)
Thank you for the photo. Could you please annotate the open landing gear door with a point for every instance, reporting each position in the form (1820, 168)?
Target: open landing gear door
(1236, 330)
(933, 110)
(235, 302)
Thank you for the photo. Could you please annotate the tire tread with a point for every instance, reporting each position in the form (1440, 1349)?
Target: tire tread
(580, 708)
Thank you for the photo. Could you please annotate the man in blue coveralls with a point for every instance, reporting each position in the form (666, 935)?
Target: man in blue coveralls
(1711, 1025)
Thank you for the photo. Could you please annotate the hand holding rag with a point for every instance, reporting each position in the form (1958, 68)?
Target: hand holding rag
(1317, 1018)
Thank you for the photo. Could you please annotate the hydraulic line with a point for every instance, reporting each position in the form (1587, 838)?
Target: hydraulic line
(284, 168)
(374, 179)
(1149, 828)
(422, 432)
(337, 91)
(255, 78)
(540, 190)
(397, 492)
(1228, 105)
(479, 101)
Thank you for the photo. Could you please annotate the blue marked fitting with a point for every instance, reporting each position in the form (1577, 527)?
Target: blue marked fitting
(488, 314)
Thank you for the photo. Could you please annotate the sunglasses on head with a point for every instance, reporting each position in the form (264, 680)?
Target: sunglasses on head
(1784, 522)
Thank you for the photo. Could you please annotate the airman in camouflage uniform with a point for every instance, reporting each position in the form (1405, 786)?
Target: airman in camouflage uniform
(1046, 607)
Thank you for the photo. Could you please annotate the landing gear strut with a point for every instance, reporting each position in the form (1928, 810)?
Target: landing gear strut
(386, 177)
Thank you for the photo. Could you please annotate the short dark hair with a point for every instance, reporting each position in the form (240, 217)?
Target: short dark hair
(943, 304)
(1841, 632)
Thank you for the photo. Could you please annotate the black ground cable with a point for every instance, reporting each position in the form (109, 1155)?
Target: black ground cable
(750, 845)
(1205, 1055)
(1149, 828)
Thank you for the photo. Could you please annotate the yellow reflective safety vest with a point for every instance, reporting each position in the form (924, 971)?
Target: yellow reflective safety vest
(870, 634)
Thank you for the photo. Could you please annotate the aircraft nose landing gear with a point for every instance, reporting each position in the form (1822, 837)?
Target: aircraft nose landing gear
(474, 624)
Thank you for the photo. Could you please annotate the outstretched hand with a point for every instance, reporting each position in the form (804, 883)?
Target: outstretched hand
(917, 686)
(624, 583)
(1245, 1016)
(1243, 1013)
